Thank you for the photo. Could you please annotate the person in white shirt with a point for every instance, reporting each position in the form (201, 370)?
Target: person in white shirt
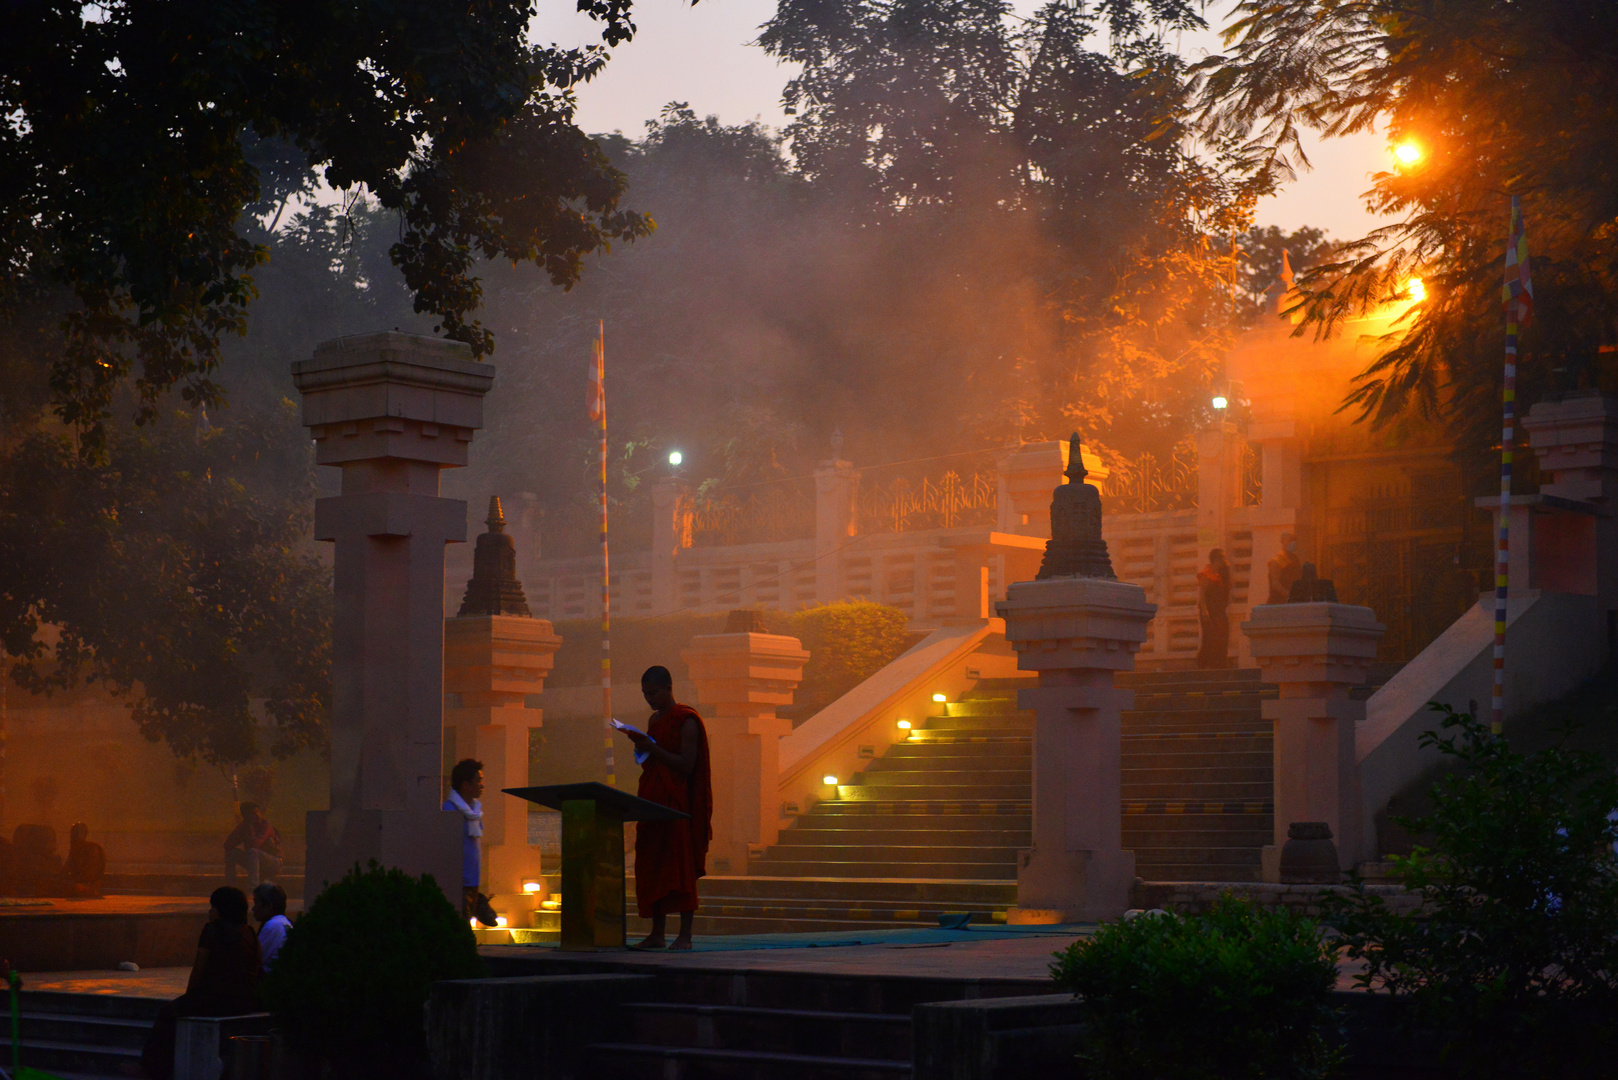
(270, 909)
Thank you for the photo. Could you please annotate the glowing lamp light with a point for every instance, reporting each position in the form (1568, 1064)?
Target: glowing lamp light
(531, 886)
(1407, 153)
(1221, 402)
(904, 725)
(1416, 290)
(940, 698)
(829, 781)
(499, 920)
(474, 923)
(675, 457)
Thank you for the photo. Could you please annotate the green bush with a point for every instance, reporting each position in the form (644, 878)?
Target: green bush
(350, 985)
(847, 643)
(1237, 993)
(1512, 957)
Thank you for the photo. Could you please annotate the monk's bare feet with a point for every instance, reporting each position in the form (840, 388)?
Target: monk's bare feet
(681, 942)
(656, 941)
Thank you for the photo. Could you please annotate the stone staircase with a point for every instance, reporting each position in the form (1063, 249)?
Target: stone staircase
(83, 1036)
(775, 1026)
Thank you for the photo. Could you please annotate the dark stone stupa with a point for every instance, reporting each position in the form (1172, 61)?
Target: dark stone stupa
(1076, 548)
(494, 588)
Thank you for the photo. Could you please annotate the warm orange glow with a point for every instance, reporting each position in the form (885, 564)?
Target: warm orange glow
(1416, 290)
(1408, 153)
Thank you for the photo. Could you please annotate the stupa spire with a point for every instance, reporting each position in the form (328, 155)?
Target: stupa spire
(494, 588)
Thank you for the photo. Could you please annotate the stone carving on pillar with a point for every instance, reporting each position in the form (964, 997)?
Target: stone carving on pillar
(494, 588)
(391, 411)
(1316, 653)
(1076, 548)
(496, 658)
(742, 676)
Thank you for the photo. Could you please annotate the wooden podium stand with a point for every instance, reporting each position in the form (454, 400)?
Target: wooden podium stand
(593, 817)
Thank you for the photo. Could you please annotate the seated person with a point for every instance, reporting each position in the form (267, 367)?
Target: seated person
(254, 846)
(224, 979)
(270, 909)
(86, 864)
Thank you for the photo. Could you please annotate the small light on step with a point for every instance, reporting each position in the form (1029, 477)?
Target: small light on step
(499, 920)
(474, 923)
(532, 887)
(940, 698)
(904, 725)
(829, 781)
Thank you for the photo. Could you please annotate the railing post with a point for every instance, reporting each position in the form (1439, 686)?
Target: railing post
(1076, 632)
(741, 678)
(671, 534)
(837, 485)
(1315, 653)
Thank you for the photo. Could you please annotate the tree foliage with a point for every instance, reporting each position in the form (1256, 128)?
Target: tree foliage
(178, 574)
(1512, 956)
(1503, 98)
(138, 136)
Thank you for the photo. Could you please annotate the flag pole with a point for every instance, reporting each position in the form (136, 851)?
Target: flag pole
(599, 408)
(1518, 296)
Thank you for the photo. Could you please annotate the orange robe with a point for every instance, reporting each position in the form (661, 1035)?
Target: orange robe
(671, 855)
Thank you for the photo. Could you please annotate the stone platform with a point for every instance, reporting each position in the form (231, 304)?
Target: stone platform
(97, 935)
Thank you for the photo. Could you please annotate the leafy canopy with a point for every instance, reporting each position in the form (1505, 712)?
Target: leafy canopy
(1502, 98)
(1512, 955)
(137, 136)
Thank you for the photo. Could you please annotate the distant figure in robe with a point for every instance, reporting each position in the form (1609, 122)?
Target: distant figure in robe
(1213, 600)
(253, 845)
(86, 868)
(671, 855)
(1284, 570)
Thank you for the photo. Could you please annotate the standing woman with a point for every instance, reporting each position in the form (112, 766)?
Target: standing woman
(1213, 600)
(671, 855)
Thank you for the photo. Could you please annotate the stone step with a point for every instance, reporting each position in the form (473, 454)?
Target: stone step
(990, 809)
(919, 790)
(1182, 809)
(994, 773)
(977, 707)
(1216, 678)
(84, 1035)
(941, 868)
(847, 1035)
(922, 893)
(795, 850)
(1009, 722)
(936, 753)
(627, 1061)
(828, 833)
(1257, 836)
(1171, 776)
(1177, 755)
(1197, 791)
(884, 913)
(1172, 742)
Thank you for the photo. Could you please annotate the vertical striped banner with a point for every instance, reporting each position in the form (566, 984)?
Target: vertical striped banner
(598, 413)
(1517, 296)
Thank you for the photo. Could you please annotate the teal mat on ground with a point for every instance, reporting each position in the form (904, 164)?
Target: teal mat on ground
(917, 937)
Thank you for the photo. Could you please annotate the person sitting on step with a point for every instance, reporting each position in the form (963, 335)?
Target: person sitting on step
(86, 868)
(254, 846)
(224, 979)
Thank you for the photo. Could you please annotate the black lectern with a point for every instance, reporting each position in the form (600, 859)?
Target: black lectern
(593, 817)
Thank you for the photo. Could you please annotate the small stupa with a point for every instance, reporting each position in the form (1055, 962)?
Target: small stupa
(1076, 548)
(494, 588)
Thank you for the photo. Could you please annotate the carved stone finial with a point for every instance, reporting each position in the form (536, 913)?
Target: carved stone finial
(1076, 548)
(494, 588)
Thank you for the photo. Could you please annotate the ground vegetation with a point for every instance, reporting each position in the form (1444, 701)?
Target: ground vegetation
(1237, 992)
(1511, 958)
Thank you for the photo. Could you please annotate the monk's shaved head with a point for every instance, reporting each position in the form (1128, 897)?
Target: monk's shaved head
(657, 675)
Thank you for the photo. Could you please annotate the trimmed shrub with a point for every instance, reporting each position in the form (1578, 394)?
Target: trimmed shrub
(350, 985)
(848, 643)
(1239, 992)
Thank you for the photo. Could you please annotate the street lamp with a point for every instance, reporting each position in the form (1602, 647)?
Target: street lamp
(1221, 402)
(1407, 153)
(675, 457)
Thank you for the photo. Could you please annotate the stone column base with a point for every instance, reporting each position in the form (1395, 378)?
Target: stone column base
(415, 841)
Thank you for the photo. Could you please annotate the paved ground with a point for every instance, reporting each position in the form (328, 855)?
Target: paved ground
(168, 982)
(105, 905)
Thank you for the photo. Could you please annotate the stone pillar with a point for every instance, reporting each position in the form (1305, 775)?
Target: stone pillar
(837, 485)
(496, 657)
(1576, 439)
(390, 410)
(1075, 632)
(741, 677)
(1027, 473)
(671, 535)
(1316, 653)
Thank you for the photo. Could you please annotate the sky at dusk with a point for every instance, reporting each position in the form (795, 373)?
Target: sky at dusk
(701, 55)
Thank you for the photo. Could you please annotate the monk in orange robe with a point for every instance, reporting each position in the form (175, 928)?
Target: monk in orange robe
(671, 855)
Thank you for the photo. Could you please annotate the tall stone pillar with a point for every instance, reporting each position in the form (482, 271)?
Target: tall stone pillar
(837, 485)
(496, 657)
(671, 534)
(1316, 653)
(390, 410)
(1076, 632)
(741, 677)
(1576, 439)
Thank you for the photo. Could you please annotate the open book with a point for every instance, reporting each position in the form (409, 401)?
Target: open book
(640, 755)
